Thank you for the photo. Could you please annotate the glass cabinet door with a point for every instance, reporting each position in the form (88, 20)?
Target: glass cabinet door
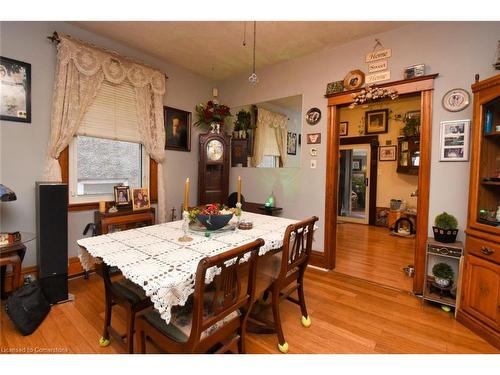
(488, 195)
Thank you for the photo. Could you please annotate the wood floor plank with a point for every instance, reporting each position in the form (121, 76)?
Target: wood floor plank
(348, 315)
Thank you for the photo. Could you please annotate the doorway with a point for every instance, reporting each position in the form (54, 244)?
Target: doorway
(422, 86)
(354, 186)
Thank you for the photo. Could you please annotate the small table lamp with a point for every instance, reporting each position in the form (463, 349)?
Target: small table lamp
(6, 194)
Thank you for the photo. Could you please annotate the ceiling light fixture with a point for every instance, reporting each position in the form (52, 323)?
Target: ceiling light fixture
(254, 79)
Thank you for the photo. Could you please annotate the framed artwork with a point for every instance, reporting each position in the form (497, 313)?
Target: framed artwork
(313, 116)
(357, 164)
(122, 195)
(387, 153)
(140, 199)
(15, 88)
(314, 138)
(354, 80)
(177, 129)
(334, 87)
(414, 71)
(291, 145)
(344, 128)
(376, 122)
(454, 140)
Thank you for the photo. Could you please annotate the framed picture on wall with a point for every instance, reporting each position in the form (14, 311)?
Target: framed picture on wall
(344, 128)
(314, 138)
(177, 129)
(15, 86)
(387, 153)
(291, 146)
(376, 122)
(357, 164)
(454, 140)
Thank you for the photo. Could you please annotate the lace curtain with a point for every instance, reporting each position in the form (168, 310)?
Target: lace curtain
(80, 71)
(278, 123)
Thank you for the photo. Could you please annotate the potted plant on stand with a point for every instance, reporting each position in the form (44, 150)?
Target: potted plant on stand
(445, 228)
(443, 274)
(242, 123)
(212, 115)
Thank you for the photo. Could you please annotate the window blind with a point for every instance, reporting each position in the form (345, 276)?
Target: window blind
(113, 114)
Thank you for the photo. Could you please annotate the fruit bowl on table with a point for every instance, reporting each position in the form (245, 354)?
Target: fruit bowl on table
(214, 222)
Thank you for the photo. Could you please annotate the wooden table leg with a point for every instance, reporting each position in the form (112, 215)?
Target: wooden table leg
(15, 261)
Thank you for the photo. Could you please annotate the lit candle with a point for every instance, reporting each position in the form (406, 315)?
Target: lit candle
(239, 189)
(186, 194)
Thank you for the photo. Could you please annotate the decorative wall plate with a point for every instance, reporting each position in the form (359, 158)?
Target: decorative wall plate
(354, 80)
(456, 100)
(313, 116)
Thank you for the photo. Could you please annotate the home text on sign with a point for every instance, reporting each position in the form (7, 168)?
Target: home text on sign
(378, 55)
(377, 77)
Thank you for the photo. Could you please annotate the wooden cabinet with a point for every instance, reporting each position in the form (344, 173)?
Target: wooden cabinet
(213, 168)
(239, 152)
(480, 298)
(408, 154)
(123, 220)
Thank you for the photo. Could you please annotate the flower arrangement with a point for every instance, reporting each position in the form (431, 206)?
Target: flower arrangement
(212, 209)
(211, 113)
(372, 93)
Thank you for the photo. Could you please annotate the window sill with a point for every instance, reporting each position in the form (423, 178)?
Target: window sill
(92, 206)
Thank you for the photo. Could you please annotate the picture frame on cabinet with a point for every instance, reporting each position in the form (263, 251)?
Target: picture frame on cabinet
(344, 128)
(454, 140)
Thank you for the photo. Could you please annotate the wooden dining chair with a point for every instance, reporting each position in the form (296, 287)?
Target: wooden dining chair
(214, 319)
(126, 294)
(295, 255)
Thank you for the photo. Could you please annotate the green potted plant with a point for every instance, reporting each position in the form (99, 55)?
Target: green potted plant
(243, 122)
(411, 125)
(445, 228)
(443, 274)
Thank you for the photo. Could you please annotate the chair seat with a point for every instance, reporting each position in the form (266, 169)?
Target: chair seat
(129, 290)
(181, 321)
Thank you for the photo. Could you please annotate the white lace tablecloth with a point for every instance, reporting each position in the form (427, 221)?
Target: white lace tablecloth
(165, 268)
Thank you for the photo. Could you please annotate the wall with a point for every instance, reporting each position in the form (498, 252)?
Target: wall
(455, 50)
(390, 184)
(23, 146)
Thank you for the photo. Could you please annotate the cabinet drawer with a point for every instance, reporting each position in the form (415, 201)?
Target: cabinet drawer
(483, 249)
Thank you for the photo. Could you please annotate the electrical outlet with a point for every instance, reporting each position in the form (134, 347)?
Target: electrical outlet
(313, 163)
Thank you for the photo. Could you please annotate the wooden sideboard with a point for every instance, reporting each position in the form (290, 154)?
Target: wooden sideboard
(123, 220)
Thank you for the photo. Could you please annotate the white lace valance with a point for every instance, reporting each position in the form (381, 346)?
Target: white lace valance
(89, 60)
(272, 119)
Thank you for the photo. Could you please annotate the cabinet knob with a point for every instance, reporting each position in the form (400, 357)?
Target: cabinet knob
(486, 250)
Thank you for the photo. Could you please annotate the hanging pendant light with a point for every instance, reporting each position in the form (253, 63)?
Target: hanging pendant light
(253, 79)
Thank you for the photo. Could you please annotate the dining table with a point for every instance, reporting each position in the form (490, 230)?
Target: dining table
(155, 258)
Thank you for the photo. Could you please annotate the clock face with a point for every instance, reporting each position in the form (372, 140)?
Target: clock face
(214, 150)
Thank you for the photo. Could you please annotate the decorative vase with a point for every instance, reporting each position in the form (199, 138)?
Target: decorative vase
(443, 283)
(488, 122)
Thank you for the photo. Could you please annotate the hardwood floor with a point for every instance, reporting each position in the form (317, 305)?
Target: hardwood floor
(348, 316)
(371, 253)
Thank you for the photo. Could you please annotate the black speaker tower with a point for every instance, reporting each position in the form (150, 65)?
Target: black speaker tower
(52, 239)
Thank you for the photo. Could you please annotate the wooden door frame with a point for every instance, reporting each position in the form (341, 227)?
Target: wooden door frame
(421, 85)
(371, 140)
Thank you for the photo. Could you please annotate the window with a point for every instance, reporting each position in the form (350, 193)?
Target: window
(269, 161)
(97, 165)
(107, 150)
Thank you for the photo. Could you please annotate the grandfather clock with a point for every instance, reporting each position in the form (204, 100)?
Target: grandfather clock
(213, 168)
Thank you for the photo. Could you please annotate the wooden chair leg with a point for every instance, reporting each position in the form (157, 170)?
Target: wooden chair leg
(306, 321)
(104, 341)
(130, 331)
(140, 338)
(282, 344)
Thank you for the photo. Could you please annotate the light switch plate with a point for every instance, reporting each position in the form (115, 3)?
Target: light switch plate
(314, 151)
(313, 163)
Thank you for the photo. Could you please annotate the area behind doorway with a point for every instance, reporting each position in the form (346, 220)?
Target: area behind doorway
(366, 246)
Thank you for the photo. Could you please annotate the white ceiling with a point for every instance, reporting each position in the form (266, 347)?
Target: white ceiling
(215, 49)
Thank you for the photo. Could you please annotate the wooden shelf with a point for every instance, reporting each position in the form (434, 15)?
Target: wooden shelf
(494, 134)
(490, 183)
